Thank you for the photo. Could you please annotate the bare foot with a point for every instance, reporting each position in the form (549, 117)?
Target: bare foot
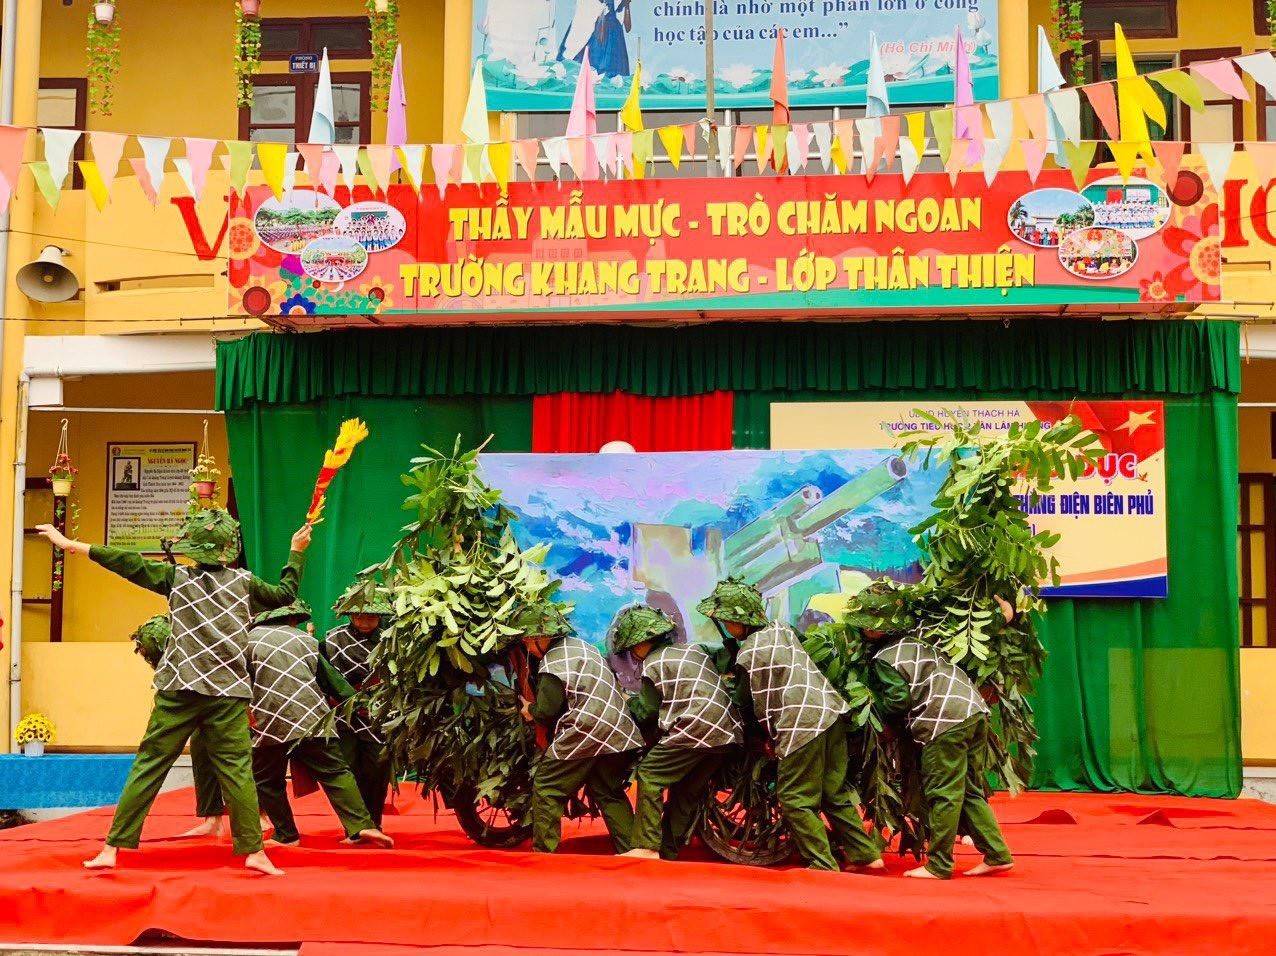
(261, 863)
(877, 866)
(212, 826)
(921, 873)
(265, 822)
(375, 837)
(105, 860)
(987, 869)
(967, 841)
(641, 854)
(274, 842)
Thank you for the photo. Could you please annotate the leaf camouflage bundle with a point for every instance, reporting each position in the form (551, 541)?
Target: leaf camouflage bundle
(453, 579)
(978, 545)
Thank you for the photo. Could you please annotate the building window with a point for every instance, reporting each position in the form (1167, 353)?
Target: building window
(1223, 120)
(63, 104)
(346, 38)
(1107, 71)
(1138, 18)
(283, 104)
(1262, 26)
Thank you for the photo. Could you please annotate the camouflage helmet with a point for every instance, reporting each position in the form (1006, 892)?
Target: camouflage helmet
(640, 623)
(209, 536)
(882, 606)
(362, 597)
(539, 619)
(149, 639)
(297, 608)
(734, 600)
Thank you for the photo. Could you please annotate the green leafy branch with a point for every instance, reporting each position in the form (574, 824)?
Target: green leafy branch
(104, 63)
(247, 55)
(384, 25)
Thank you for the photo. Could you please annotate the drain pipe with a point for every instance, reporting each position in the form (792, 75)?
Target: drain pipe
(19, 542)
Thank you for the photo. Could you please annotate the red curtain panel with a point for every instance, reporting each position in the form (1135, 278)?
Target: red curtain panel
(584, 422)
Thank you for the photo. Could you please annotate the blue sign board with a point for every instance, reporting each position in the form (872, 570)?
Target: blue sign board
(303, 63)
(532, 50)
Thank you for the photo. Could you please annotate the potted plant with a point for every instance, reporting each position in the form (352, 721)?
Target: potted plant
(383, 21)
(62, 475)
(33, 732)
(204, 477)
(104, 57)
(247, 49)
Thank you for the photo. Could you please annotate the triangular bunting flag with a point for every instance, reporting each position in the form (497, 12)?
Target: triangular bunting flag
(644, 150)
(886, 145)
(94, 185)
(843, 144)
(994, 155)
(1065, 107)
(726, 142)
(1181, 84)
(241, 160)
(381, 159)
(624, 154)
(941, 121)
(576, 155)
(199, 153)
(1262, 67)
(441, 157)
(13, 143)
(957, 155)
(364, 161)
(475, 161)
(50, 190)
(183, 167)
(743, 137)
(1125, 155)
(779, 146)
(412, 160)
(868, 129)
(271, 156)
(1137, 101)
(108, 149)
(348, 153)
(527, 151)
(604, 146)
(1033, 111)
(1223, 75)
(1079, 157)
(671, 139)
(1263, 156)
(474, 122)
(502, 158)
(1102, 98)
(761, 148)
(313, 154)
(1034, 157)
(690, 135)
(1001, 116)
(144, 180)
(1218, 160)
(909, 159)
(1169, 156)
(824, 144)
(329, 169)
(800, 143)
(631, 112)
(456, 172)
(155, 151)
(290, 170)
(970, 120)
(59, 145)
(917, 132)
(1048, 76)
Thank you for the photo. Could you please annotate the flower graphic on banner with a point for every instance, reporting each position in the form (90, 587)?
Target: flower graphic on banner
(831, 75)
(738, 75)
(258, 298)
(1154, 289)
(1197, 241)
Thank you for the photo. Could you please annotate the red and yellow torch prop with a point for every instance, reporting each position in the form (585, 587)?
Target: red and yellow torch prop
(352, 432)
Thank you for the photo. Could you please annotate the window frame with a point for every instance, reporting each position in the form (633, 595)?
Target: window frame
(305, 85)
(1134, 33)
(305, 34)
(1186, 59)
(80, 85)
(1261, 27)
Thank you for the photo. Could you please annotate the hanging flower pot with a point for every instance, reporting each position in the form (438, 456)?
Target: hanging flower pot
(62, 473)
(205, 473)
(104, 13)
(35, 748)
(382, 6)
(205, 490)
(251, 8)
(61, 486)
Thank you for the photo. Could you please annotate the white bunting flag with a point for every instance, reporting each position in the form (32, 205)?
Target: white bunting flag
(59, 144)
(348, 154)
(824, 144)
(1218, 160)
(413, 157)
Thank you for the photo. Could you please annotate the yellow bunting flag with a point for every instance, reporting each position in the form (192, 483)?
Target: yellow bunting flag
(1138, 101)
(762, 148)
(917, 131)
(1080, 156)
(631, 112)
(843, 144)
(1125, 155)
(1183, 85)
(241, 160)
(941, 121)
(644, 149)
(365, 167)
(474, 160)
(671, 137)
(779, 146)
(501, 156)
(273, 157)
(94, 183)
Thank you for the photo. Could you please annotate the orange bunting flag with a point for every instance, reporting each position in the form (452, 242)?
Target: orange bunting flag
(352, 432)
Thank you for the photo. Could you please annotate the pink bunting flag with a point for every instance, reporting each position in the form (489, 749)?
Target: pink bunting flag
(144, 180)
(442, 159)
(13, 143)
(578, 157)
(689, 133)
(582, 122)
(1223, 75)
(1264, 158)
(381, 158)
(108, 150)
(963, 91)
(605, 149)
(313, 154)
(329, 170)
(970, 119)
(457, 171)
(624, 153)
(1170, 156)
(1033, 111)
(800, 136)
(743, 137)
(1034, 156)
(887, 143)
(526, 151)
(199, 153)
(1103, 98)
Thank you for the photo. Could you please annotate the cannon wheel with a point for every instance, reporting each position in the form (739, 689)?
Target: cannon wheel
(489, 825)
(742, 822)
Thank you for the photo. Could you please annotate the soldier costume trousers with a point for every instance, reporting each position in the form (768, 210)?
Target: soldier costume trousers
(208, 792)
(953, 783)
(811, 780)
(222, 723)
(370, 764)
(554, 782)
(322, 758)
(685, 773)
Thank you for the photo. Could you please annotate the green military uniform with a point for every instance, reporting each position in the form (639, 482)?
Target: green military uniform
(150, 640)
(594, 737)
(364, 750)
(683, 696)
(289, 708)
(201, 681)
(947, 716)
(802, 713)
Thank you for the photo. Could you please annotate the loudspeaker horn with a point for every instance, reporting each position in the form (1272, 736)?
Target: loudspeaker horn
(47, 279)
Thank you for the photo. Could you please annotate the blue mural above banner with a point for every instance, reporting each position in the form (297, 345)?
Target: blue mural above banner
(532, 50)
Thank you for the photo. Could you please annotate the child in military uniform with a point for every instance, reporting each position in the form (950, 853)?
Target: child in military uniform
(201, 682)
(348, 648)
(593, 737)
(948, 717)
(684, 699)
(289, 708)
(802, 714)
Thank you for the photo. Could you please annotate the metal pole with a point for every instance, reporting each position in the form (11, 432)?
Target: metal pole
(19, 546)
(711, 134)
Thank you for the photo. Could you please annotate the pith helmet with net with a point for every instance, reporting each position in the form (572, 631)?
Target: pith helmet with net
(882, 606)
(734, 600)
(638, 624)
(363, 597)
(538, 619)
(150, 639)
(209, 536)
(297, 609)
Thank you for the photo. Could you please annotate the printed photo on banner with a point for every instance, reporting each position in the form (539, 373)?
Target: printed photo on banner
(1111, 521)
(1044, 216)
(532, 50)
(1098, 253)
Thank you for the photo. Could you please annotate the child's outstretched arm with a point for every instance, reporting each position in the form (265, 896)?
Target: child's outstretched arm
(157, 576)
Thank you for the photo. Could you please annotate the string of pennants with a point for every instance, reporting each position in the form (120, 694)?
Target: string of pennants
(967, 136)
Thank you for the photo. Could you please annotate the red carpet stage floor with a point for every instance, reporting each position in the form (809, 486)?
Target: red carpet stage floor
(1096, 874)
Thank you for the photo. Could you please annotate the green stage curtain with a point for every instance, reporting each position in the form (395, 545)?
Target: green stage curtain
(1136, 695)
(276, 452)
(1089, 358)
